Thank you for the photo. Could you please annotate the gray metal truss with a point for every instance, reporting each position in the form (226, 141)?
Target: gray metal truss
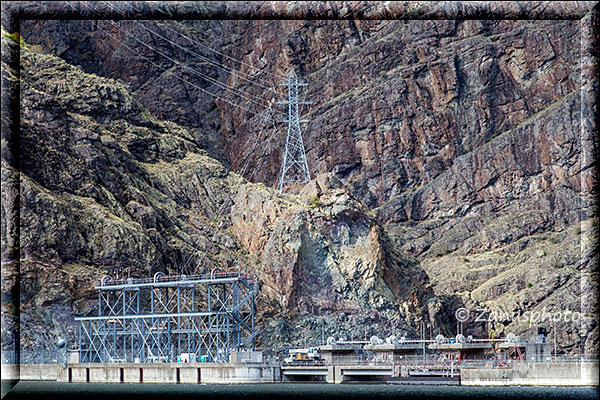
(294, 168)
(206, 316)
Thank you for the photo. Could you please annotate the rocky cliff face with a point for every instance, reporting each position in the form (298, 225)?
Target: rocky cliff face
(107, 189)
(395, 102)
(450, 162)
(322, 255)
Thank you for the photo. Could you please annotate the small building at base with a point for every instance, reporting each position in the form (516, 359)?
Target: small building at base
(337, 352)
(525, 351)
(395, 351)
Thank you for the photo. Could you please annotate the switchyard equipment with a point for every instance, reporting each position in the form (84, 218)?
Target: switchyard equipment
(157, 319)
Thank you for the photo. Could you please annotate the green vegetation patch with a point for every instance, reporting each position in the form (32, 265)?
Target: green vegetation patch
(15, 37)
(316, 201)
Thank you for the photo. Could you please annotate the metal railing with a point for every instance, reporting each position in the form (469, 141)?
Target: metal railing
(410, 360)
(54, 356)
(498, 363)
(107, 281)
(433, 361)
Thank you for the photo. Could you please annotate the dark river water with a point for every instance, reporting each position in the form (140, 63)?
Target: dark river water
(86, 391)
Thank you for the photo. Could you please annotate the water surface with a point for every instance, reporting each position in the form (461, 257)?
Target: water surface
(133, 391)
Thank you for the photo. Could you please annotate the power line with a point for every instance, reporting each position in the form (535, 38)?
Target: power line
(221, 54)
(199, 55)
(277, 76)
(206, 77)
(214, 63)
(269, 108)
(243, 170)
(176, 76)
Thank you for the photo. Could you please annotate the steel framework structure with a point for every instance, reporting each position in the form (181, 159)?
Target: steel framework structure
(206, 316)
(294, 168)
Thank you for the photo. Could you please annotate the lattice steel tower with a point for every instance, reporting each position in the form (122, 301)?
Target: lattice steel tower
(294, 168)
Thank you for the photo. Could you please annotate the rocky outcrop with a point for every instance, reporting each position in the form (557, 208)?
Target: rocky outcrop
(322, 253)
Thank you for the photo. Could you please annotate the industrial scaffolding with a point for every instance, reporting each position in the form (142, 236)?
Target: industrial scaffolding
(202, 318)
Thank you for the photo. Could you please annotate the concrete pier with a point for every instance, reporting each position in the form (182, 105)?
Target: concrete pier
(306, 373)
(535, 374)
(169, 373)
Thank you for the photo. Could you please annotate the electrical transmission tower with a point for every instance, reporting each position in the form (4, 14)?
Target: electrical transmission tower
(294, 168)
